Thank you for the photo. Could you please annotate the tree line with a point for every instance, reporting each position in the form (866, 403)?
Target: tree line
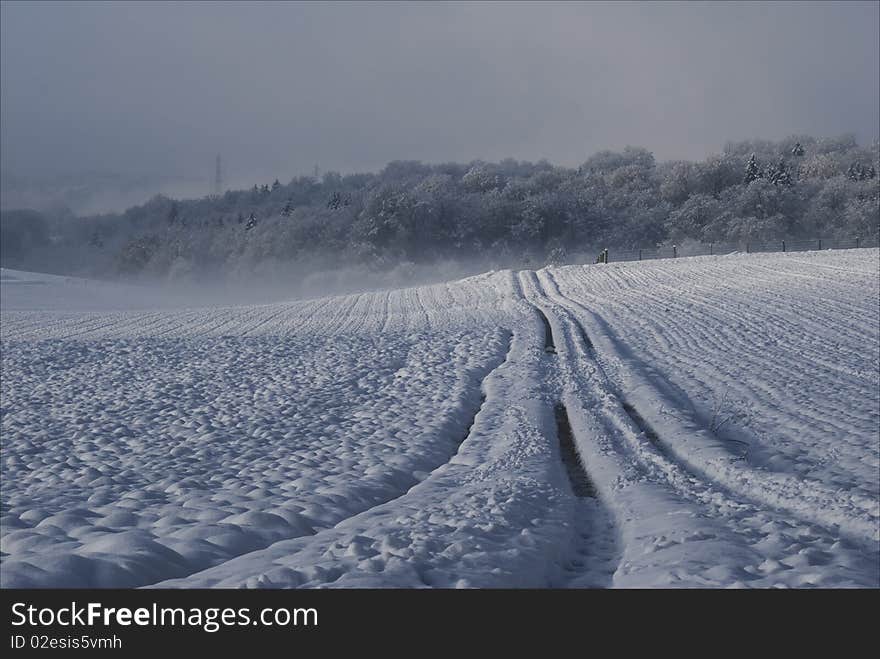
(499, 213)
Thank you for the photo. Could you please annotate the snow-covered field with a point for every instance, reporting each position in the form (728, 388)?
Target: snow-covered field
(725, 411)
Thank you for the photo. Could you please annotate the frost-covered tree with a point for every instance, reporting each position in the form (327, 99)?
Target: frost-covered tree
(861, 218)
(716, 174)
(691, 219)
(780, 174)
(753, 170)
(819, 166)
(136, 254)
(858, 172)
(479, 179)
(679, 182)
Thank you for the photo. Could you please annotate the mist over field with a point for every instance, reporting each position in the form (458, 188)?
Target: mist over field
(414, 223)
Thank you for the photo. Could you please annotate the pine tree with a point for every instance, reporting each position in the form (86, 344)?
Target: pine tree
(753, 171)
(779, 175)
(251, 223)
(797, 150)
(276, 185)
(854, 172)
(288, 208)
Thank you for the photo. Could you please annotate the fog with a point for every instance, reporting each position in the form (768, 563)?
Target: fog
(69, 293)
(151, 92)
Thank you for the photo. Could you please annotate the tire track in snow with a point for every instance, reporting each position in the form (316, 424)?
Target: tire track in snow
(549, 344)
(580, 481)
(596, 551)
(700, 339)
(759, 544)
(774, 491)
(454, 451)
(677, 340)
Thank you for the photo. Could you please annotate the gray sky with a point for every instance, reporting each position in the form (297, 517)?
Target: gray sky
(146, 89)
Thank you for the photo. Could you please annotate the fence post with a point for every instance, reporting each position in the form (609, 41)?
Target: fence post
(857, 243)
(606, 255)
(674, 251)
(711, 246)
(820, 244)
(640, 255)
(748, 248)
(783, 246)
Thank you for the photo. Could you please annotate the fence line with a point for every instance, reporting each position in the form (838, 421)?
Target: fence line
(709, 249)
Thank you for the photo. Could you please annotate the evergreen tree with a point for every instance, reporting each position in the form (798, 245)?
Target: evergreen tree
(288, 208)
(797, 150)
(753, 171)
(779, 175)
(251, 223)
(855, 172)
(276, 185)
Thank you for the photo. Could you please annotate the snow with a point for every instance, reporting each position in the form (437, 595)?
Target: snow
(725, 409)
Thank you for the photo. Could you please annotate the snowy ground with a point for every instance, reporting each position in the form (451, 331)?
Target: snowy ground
(725, 411)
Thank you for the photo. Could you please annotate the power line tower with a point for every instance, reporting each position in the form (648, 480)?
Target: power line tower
(218, 177)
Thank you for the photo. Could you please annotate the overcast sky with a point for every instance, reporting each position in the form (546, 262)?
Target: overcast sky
(276, 88)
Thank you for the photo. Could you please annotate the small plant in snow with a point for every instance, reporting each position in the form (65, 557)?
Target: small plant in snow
(724, 410)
